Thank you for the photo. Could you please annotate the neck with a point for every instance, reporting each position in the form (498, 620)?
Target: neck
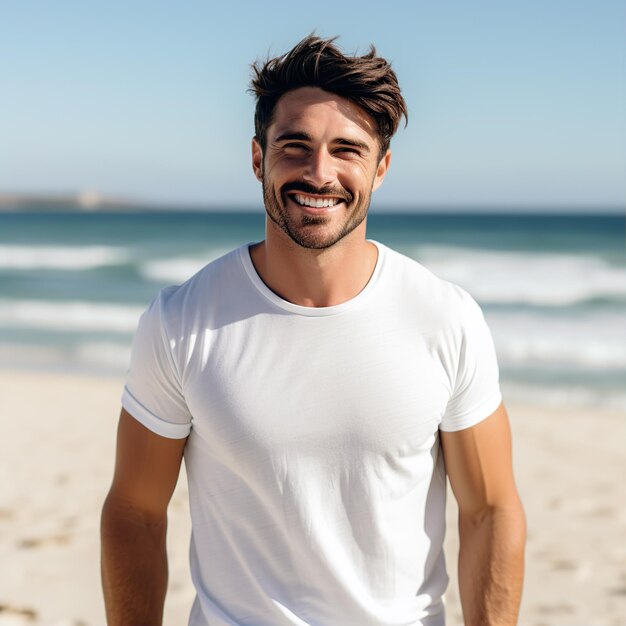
(315, 278)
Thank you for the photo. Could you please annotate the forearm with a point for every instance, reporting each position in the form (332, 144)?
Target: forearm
(491, 566)
(134, 566)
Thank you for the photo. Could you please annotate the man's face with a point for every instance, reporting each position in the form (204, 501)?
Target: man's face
(319, 168)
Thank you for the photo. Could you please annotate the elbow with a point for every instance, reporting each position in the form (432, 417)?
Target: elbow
(124, 528)
(508, 514)
(119, 515)
(513, 512)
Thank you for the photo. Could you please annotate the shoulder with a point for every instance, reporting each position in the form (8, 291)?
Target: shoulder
(206, 282)
(433, 298)
(223, 268)
(180, 308)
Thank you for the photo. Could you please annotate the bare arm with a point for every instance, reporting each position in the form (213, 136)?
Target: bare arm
(133, 525)
(492, 525)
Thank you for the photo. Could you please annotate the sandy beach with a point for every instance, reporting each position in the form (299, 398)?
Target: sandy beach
(57, 436)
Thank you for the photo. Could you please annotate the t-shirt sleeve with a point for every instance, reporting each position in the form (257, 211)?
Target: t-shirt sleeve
(476, 391)
(153, 393)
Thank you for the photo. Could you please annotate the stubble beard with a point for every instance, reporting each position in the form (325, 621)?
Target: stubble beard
(308, 231)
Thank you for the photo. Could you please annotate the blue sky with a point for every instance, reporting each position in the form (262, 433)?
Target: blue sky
(511, 103)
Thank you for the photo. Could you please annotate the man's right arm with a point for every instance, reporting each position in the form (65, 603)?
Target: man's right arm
(134, 522)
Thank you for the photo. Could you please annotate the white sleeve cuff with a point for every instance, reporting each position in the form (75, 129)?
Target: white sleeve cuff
(475, 415)
(151, 421)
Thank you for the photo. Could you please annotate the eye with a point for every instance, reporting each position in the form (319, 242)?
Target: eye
(295, 147)
(346, 150)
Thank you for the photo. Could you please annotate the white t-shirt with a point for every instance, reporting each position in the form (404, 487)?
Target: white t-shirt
(316, 483)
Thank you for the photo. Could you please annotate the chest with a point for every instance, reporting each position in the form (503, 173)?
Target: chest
(275, 386)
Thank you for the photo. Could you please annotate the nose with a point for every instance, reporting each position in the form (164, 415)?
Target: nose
(320, 168)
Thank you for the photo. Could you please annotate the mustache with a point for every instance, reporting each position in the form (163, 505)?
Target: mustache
(339, 192)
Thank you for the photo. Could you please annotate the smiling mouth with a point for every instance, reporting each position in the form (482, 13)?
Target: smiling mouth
(315, 202)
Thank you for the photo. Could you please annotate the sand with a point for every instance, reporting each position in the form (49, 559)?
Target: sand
(57, 435)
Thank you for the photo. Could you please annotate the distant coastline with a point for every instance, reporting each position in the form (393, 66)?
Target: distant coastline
(93, 201)
(83, 201)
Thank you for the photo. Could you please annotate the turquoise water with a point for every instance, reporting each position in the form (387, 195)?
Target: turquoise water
(553, 287)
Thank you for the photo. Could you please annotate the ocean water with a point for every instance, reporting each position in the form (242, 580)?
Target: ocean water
(552, 287)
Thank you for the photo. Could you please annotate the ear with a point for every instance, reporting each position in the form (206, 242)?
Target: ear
(257, 159)
(381, 170)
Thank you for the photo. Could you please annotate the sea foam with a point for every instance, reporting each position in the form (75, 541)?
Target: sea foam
(495, 276)
(591, 340)
(60, 257)
(69, 316)
(178, 269)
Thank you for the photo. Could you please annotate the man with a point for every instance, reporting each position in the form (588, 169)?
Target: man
(315, 382)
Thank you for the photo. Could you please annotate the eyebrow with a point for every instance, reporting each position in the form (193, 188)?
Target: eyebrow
(301, 136)
(353, 143)
(293, 136)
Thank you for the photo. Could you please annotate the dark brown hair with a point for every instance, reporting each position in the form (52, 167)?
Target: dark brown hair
(366, 80)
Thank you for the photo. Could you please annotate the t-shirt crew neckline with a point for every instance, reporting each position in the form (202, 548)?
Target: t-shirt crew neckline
(309, 311)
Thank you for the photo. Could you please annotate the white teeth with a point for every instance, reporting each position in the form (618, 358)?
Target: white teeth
(317, 203)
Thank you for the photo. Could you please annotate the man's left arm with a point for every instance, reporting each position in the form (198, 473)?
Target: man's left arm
(492, 525)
